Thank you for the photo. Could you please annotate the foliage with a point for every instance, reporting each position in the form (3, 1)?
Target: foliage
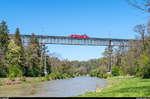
(115, 70)
(1, 83)
(13, 60)
(33, 58)
(52, 76)
(19, 60)
(47, 78)
(18, 42)
(4, 39)
(145, 66)
(14, 71)
(96, 73)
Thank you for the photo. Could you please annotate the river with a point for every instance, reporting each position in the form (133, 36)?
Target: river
(55, 88)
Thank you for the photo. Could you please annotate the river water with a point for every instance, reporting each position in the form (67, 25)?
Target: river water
(56, 88)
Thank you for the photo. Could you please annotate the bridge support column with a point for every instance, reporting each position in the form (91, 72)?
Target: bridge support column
(43, 58)
(110, 56)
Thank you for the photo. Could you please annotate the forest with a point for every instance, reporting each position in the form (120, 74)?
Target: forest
(20, 60)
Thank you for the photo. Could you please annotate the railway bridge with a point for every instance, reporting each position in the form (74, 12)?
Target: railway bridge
(62, 40)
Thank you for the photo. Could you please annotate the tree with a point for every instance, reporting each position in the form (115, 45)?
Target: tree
(13, 59)
(18, 42)
(4, 39)
(145, 66)
(17, 39)
(143, 5)
(33, 57)
(48, 64)
(3, 67)
(141, 29)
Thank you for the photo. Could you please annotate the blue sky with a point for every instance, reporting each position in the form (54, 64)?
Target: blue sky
(96, 18)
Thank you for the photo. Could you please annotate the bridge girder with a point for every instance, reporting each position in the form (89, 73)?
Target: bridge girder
(76, 41)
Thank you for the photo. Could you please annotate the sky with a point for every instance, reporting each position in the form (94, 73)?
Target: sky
(95, 18)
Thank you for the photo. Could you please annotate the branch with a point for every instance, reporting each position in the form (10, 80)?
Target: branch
(136, 5)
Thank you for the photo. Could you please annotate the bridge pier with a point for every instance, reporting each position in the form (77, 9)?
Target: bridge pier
(110, 46)
(43, 58)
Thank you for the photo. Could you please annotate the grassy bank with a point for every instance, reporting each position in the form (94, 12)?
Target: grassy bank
(123, 87)
(23, 80)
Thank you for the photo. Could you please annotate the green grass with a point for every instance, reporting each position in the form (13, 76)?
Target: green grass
(123, 87)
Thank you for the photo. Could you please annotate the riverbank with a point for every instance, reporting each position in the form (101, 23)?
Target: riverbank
(123, 87)
(22, 80)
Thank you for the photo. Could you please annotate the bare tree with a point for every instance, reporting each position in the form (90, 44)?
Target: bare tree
(141, 30)
(143, 5)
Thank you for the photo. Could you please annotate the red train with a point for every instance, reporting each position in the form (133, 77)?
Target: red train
(78, 36)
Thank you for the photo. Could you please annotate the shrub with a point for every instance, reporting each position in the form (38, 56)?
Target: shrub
(23, 78)
(121, 73)
(105, 76)
(1, 83)
(47, 78)
(139, 74)
(15, 72)
(145, 69)
(65, 75)
(115, 70)
(12, 76)
(96, 73)
(53, 76)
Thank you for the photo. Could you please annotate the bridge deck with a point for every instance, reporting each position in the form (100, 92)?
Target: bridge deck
(77, 41)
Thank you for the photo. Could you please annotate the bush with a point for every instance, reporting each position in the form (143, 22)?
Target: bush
(146, 72)
(105, 76)
(145, 68)
(15, 72)
(139, 74)
(65, 75)
(96, 73)
(47, 78)
(53, 76)
(1, 83)
(121, 73)
(23, 78)
(115, 70)
(12, 76)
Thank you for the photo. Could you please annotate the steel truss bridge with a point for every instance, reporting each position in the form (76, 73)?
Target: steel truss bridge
(62, 40)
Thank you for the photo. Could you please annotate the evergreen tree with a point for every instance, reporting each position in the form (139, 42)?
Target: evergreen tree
(18, 38)
(33, 57)
(18, 42)
(13, 59)
(3, 68)
(48, 64)
(4, 39)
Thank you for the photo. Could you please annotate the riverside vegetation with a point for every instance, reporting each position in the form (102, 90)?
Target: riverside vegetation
(19, 62)
(24, 60)
(123, 87)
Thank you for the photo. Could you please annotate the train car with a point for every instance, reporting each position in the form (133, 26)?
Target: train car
(78, 36)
